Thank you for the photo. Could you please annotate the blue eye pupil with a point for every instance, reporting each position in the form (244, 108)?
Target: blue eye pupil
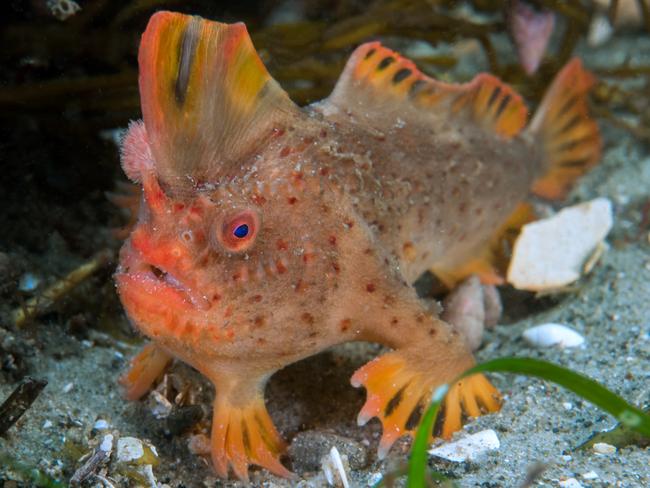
(241, 231)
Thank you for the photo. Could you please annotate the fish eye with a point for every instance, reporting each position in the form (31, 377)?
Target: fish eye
(241, 231)
(237, 232)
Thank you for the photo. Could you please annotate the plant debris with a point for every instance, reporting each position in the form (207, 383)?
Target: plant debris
(45, 300)
(19, 402)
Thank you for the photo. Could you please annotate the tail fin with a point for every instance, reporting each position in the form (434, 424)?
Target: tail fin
(570, 138)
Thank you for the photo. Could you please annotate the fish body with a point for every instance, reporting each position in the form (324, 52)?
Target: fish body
(268, 232)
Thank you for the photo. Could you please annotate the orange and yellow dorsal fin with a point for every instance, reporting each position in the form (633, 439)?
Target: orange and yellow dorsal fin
(207, 98)
(378, 79)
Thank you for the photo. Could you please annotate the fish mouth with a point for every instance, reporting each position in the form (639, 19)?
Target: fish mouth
(135, 271)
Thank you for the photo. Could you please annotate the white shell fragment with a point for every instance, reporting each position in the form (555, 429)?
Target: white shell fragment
(468, 448)
(334, 469)
(129, 449)
(550, 253)
(138, 455)
(549, 335)
(604, 448)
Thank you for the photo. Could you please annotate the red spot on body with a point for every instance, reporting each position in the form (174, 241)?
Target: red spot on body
(259, 321)
(324, 171)
(394, 321)
(216, 297)
(196, 210)
(285, 151)
(178, 207)
(258, 200)
(323, 133)
(280, 266)
(345, 324)
(189, 329)
(332, 240)
(256, 298)
(370, 287)
(336, 267)
(307, 318)
(292, 200)
(278, 132)
(282, 245)
(308, 257)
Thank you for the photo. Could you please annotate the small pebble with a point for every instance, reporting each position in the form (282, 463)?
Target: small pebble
(100, 424)
(47, 424)
(603, 448)
(107, 443)
(374, 478)
(570, 483)
(68, 388)
(199, 444)
(590, 475)
(600, 30)
(567, 405)
(28, 282)
(468, 448)
(549, 335)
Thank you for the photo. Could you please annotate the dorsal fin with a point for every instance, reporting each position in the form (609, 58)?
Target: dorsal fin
(207, 99)
(376, 77)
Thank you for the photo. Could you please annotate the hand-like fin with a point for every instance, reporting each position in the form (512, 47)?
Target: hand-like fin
(207, 99)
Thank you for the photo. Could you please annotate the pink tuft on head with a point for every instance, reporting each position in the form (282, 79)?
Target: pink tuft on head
(136, 154)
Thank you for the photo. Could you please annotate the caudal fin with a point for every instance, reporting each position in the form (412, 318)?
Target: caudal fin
(570, 138)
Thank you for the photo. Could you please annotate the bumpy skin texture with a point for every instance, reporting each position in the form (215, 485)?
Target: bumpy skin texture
(345, 203)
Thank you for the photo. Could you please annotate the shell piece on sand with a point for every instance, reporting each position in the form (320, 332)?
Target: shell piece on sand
(550, 253)
(549, 335)
(468, 448)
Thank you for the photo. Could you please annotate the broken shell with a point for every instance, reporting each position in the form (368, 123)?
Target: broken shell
(334, 468)
(135, 459)
(550, 253)
(468, 448)
(549, 335)
(134, 451)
